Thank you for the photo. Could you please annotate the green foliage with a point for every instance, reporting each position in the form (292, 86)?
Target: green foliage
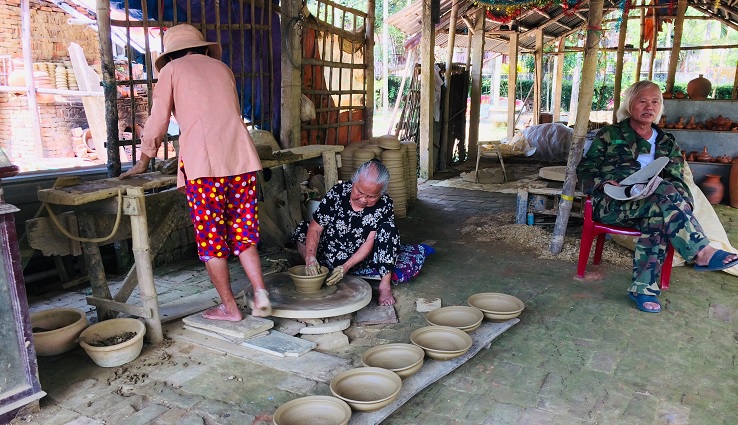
(393, 83)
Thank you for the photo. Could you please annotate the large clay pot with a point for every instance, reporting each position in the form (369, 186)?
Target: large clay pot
(713, 188)
(699, 88)
(733, 184)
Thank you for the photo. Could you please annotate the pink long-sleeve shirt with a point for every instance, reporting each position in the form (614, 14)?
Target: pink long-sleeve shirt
(201, 93)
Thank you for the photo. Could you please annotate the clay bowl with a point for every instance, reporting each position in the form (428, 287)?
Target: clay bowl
(495, 306)
(304, 283)
(55, 330)
(458, 316)
(315, 409)
(441, 342)
(117, 354)
(403, 359)
(366, 389)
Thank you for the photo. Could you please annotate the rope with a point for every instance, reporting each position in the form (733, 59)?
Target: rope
(66, 233)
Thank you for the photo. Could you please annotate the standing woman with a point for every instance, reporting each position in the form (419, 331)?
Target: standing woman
(665, 215)
(217, 161)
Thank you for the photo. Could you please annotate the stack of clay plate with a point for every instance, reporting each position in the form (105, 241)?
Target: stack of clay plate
(411, 150)
(71, 78)
(394, 160)
(347, 162)
(60, 77)
(388, 141)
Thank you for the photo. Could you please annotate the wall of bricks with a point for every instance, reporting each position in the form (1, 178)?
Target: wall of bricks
(57, 119)
(50, 32)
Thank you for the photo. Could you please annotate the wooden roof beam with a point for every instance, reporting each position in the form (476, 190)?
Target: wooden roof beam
(716, 16)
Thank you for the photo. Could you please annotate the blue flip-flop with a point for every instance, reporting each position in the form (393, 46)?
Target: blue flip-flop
(716, 262)
(641, 299)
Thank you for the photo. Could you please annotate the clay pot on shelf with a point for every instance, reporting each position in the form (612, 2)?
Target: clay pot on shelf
(692, 156)
(699, 88)
(721, 123)
(725, 159)
(713, 188)
(668, 95)
(704, 156)
(679, 125)
(679, 95)
(662, 122)
(691, 124)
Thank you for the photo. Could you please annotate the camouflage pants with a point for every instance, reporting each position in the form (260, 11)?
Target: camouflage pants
(662, 218)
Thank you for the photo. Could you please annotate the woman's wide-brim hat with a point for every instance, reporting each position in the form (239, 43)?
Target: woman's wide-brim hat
(644, 181)
(185, 36)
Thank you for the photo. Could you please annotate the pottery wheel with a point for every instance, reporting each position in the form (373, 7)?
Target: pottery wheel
(349, 295)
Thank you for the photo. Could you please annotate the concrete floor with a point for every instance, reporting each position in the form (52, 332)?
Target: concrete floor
(581, 354)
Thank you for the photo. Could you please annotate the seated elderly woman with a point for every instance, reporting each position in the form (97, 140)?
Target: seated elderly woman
(353, 228)
(663, 212)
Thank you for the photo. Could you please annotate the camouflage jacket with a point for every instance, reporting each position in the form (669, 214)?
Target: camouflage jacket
(613, 156)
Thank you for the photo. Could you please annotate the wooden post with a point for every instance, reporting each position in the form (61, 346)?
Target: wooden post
(385, 59)
(109, 86)
(735, 83)
(512, 82)
(476, 82)
(558, 80)
(674, 57)
(369, 74)
(144, 269)
(427, 44)
(538, 81)
(444, 150)
(289, 133)
(30, 83)
(639, 61)
(586, 90)
(469, 39)
(619, 68)
(94, 264)
(409, 67)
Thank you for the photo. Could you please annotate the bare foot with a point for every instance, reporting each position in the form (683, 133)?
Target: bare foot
(262, 306)
(705, 255)
(220, 312)
(385, 296)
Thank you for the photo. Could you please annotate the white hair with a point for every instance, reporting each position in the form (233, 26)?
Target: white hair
(631, 94)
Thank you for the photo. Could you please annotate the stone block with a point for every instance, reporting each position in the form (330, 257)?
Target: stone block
(423, 306)
(243, 329)
(287, 326)
(328, 342)
(280, 344)
(376, 315)
(328, 327)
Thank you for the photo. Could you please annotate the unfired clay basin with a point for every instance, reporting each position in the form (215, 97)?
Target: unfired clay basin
(457, 316)
(317, 409)
(403, 359)
(55, 330)
(441, 342)
(304, 283)
(366, 389)
(497, 306)
(118, 354)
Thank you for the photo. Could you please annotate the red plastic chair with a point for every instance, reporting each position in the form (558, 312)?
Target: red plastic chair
(592, 228)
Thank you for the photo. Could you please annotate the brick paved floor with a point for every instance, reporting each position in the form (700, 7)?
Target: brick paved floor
(581, 353)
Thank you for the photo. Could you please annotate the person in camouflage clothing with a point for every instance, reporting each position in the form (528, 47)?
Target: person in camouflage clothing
(665, 216)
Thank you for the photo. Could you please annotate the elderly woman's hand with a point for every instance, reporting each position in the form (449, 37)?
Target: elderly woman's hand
(312, 268)
(335, 276)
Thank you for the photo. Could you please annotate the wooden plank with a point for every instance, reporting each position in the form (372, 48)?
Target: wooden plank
(188, 305)
(96, 190)
(243, 329)
(89, 81)
(93, 262)
(292, 178)
(288, 156)
(522, 207)
(131, 309)
(319, 367)
(433, 370)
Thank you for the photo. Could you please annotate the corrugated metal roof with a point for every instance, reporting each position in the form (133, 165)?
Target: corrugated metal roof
(554, 20)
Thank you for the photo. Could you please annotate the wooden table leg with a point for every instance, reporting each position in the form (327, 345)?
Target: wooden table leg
(144, 269)
(94, 264)
(330, 169)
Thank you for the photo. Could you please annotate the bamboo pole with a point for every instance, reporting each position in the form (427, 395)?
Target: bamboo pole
(369, 73)
(639, 61)
(385, 59)
(109, 87)
(427, 44)
(735, 83)
(30, 83)
(674, 58)
(652, 58)
(586, 90)
(409, 65)
(512, 82)
(559, 81)
(476, 82)
(444, 151)
(538, 82)
(619, 69)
